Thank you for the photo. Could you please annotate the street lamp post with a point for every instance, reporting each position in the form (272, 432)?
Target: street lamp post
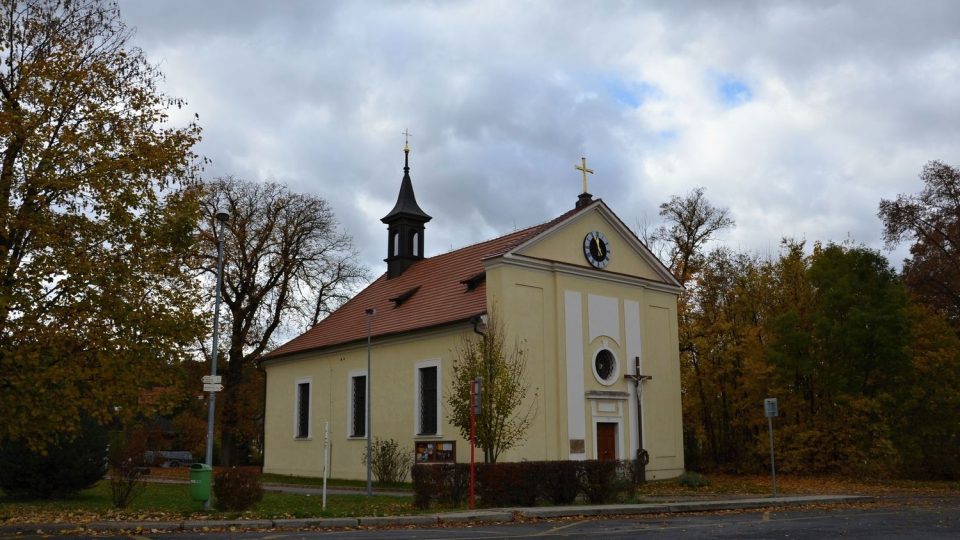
(480, 327)
(222, 216)
(369, 400)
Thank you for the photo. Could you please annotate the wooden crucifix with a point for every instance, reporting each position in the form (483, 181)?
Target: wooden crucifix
(643, 457)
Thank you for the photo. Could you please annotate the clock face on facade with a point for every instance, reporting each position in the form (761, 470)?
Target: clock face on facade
(596, 249)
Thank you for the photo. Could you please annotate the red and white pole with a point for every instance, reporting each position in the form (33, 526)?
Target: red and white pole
(473, 428)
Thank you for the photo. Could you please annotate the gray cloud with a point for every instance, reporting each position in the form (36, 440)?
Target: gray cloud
(839, 105)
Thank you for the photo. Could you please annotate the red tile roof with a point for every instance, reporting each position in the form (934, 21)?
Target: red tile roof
(440, 299)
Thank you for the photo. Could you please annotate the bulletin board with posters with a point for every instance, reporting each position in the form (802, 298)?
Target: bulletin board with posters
(436, 451)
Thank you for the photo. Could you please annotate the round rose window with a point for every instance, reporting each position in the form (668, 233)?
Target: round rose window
(605, 364)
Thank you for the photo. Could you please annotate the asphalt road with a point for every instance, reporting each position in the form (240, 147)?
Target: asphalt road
(934, 519)
(926, 518)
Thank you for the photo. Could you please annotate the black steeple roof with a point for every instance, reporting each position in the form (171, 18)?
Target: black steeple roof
(405, 225)
(406, 201)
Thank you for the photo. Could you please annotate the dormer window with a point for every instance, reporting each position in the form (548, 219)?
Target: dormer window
(474, 281)
(400, 299)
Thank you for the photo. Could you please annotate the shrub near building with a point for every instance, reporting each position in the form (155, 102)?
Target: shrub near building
(69, 466)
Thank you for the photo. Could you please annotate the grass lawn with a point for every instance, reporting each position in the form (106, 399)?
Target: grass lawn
(332, 482)
(172, 502)
(183, 473)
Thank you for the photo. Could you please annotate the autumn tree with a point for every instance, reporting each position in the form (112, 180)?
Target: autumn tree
(931, 221)
(724, 372)
(925, 429)
(286, 264)
(689, 223)
(842, 360)
(504, 418)
(96, 216)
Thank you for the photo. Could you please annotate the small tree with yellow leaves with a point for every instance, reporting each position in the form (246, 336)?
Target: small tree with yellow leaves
(505, 416)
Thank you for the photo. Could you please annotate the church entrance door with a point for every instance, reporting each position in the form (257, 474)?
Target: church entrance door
(606, 440)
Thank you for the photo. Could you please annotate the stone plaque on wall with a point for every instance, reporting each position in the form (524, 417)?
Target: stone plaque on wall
(577, 446)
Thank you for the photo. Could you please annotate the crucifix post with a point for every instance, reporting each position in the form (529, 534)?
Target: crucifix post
(643, 457)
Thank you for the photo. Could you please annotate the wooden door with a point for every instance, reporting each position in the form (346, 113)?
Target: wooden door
(606, 440)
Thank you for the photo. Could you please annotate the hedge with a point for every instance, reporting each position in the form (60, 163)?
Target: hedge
(525, 483)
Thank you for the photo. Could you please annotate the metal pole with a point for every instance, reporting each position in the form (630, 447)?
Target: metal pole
(641, 466)
(212, 400)
(369, 400)
(326, 459)
(773, 467)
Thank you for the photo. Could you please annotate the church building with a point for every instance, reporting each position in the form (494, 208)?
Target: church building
(594, 309)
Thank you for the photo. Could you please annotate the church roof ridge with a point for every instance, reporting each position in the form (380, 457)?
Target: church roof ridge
(538, 227)
(441, 299)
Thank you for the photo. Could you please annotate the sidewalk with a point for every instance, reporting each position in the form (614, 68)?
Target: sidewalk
(501, 515)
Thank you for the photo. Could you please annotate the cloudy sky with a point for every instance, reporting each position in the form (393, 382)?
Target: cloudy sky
(797, 116)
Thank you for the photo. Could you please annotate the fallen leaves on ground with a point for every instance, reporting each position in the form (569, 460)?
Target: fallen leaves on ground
(761, 485)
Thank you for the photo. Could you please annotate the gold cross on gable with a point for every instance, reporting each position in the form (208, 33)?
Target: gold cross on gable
(583, 167)
(406, 139)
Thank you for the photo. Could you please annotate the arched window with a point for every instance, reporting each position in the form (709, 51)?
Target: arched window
(396, 243)
(416, 244)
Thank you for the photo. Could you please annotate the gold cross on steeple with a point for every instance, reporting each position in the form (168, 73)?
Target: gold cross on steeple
(406, 140)
(583, 167)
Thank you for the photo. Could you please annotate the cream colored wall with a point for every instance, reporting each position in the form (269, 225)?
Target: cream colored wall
(526, 302)
(566, 245)
(663, 428)
(393, 389)
(509, 287)
(664, 422)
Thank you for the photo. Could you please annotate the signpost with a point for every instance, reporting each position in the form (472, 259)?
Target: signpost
(770, 409)
(212, 379)
(212, 387)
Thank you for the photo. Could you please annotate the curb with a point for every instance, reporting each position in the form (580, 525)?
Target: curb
(477, 516)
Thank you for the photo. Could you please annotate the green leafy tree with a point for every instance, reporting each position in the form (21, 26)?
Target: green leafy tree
(861, 320)
(840, 356)
(505, 418)
(96, 219)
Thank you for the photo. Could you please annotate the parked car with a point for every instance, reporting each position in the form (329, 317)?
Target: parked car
(168, 458)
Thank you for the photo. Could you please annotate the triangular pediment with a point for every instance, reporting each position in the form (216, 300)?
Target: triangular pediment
(564, 243)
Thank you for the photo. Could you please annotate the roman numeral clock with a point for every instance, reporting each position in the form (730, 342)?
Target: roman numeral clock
(596, 249)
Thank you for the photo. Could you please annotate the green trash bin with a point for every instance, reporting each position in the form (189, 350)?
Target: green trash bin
(200, 475)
